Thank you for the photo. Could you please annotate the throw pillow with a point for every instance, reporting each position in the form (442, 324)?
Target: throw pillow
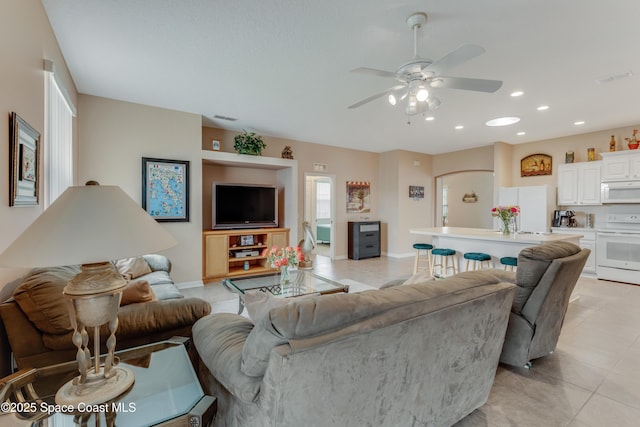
(260, 341)
(138, 291)
(132, 268)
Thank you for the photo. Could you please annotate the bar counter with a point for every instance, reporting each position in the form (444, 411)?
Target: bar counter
(491, 242)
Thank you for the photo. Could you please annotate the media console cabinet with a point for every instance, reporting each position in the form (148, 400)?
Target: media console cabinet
(238, 253)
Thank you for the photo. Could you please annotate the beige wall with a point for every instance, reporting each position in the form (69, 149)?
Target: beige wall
(114, 137)
(27, 40)
(398, 170)
(480, 158)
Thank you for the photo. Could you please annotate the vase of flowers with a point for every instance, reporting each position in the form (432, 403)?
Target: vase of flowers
(633, 141)
(506, 215)
(283, 259)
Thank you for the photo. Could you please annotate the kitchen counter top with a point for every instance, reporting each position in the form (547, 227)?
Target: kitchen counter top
(491, 242)
(496, 236)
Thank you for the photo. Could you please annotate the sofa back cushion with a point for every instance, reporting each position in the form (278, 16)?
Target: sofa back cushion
(40, 298)
(300, 319)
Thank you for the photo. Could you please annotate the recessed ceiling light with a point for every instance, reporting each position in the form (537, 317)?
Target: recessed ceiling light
(459, 127)
(503, 121)
(543, 107)
(517, 93)
(429, 118)
(578, 123)
(521, 133)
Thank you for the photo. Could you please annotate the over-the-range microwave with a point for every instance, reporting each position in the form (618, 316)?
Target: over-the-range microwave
(620, 192)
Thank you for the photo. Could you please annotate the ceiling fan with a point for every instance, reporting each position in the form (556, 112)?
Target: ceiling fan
(419, 75)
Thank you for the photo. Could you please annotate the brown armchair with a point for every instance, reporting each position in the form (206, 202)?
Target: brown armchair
(546, 276)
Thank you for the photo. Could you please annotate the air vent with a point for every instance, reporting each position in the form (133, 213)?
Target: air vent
(613, 77)
(230, 119)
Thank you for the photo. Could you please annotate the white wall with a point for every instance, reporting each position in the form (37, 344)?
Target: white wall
(115, 135)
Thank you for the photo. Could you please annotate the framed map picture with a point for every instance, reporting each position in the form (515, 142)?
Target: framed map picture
(165, 189)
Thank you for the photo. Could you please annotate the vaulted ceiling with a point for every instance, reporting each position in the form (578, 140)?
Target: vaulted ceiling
(283, 68)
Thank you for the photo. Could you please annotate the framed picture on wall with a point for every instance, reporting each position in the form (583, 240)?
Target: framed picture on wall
(358, 197)
(24, 166)
(165, 189)
(536, 164)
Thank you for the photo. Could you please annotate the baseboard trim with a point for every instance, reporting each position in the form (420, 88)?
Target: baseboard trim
(405, 255)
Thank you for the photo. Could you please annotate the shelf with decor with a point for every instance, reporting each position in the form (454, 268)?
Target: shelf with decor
(238, 253)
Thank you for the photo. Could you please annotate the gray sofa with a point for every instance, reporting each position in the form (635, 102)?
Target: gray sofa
(36, 330)
(416, 354)
(545, 279)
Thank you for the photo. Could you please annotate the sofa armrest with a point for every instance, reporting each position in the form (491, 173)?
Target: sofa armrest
(219, 340)
(158, 262)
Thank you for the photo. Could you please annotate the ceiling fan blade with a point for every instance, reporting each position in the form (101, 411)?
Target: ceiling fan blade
(453, 59)
(464, 83)
(373, 72)
(374, 97)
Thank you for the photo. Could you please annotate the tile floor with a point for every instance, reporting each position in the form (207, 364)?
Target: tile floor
(591, 380)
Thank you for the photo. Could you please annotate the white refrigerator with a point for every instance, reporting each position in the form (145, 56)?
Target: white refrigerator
(534, 201)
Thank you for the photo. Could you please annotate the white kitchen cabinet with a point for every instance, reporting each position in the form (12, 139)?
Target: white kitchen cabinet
(588, 241)
(621, 165)
(534, 202)
(579, 183)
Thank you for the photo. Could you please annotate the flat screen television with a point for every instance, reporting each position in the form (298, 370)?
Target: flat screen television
(244, 206)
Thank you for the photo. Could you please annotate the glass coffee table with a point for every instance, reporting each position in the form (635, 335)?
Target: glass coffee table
(302, 282)
(166, 392)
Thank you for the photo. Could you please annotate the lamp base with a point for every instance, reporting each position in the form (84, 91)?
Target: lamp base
(97, 389)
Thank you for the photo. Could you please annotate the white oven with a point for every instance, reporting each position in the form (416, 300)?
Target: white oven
(620, 192)
(618, 249)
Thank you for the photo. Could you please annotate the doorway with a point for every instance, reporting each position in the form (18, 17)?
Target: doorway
(464, 199)
(319, 211)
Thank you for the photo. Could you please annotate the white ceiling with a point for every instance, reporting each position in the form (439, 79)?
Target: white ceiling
(282, 68)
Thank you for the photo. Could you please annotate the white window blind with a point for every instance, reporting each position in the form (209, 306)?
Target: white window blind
(59, 142)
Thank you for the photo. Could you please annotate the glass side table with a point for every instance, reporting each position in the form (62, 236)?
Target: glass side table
(166, 392)
(303, 282)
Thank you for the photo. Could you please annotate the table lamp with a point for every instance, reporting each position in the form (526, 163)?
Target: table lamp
(92, 226)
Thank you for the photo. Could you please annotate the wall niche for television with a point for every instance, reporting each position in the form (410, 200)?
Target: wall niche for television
(236, 169)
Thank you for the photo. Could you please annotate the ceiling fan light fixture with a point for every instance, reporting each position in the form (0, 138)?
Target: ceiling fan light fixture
(422, 94)
(433, 103)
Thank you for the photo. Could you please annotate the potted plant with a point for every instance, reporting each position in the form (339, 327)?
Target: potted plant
(248, 143)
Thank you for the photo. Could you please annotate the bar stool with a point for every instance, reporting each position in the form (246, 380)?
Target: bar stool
(445, 255)
(509, 263)
(419, 247)
(477, 257)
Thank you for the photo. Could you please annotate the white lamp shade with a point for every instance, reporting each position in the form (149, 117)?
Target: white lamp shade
(85, 225)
